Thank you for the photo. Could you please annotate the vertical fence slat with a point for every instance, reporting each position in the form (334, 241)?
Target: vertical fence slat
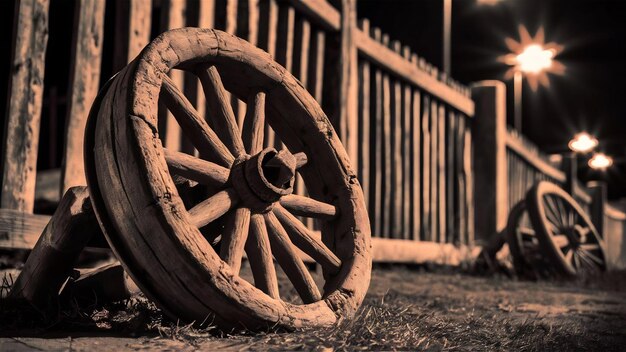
(316, 66)
(460, 175)
(434, 169)
(406, 155)
(377, 204)
(268, 29)
(426, 209)
(140, 20)
(451, 233)
(173, 16)
(441, 173)
(387, 150)
(21, 136)
(397, 162)
(84, 82)
(416, 219)
(364, 120)
(469, 185)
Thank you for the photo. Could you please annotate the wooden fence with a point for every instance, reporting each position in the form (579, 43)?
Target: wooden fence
(414, 135)
(406, 126)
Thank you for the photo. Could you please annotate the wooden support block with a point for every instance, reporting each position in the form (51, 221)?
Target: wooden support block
(106, 284)
(51, 261)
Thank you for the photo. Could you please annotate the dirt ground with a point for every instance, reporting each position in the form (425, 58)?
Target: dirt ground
(406, 309)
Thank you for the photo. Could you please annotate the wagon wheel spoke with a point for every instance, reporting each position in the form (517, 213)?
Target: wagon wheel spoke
(562, 210)
(192, 168)
(221, 113)
(587, 263)
(213, 208)
(194, 126)
(560, 241)
(590, 247)
(260, 256)
(304, 239)
(290, 261)
(305, 206)
(301, 159)
(569, 255)
(254, 123)
(527, 233)
(552, 212)
(591, 256)
(234, 238)
(576, 260)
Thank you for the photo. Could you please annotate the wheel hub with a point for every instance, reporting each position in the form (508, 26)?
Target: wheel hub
(262, 179)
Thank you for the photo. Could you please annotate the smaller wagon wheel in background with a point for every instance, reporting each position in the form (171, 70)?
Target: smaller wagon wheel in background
(527, 257)
(566, 236)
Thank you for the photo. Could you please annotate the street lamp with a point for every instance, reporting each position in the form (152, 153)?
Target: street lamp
(600, 161)
(533, 58)
(582, 143)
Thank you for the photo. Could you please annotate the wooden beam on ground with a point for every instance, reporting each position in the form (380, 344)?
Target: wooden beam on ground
(21, 137)
(53, 257)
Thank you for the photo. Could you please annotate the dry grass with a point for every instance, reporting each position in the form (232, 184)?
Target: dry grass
(404, 310)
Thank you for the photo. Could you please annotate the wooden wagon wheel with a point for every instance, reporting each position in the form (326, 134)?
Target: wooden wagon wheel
(159, 242)
(566, 236)
(527, 257)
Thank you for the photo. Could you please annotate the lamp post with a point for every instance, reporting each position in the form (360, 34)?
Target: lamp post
(532, 58)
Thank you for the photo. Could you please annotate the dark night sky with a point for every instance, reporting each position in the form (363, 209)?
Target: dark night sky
(591, 96)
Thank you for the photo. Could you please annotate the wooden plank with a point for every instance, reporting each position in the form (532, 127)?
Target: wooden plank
(348, 95)
(421, 252)
(407, 203)
(316, 66)
(397, 167)
(396, 64)
(56, 250)
(84, 83)
(387, 155)
(517, 146)
(21, 136)
(321, 12)
(434, 171)
(376, 205)
(267, 40)
(426, 218)
(364, 121)
(140, 20)
(173, 16)
(451, 233)
(20, 230)
(460, 179)
(284, 44)
(469, 184)
(416, 172)
(441, 173)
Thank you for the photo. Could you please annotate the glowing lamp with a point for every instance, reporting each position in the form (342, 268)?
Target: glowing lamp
(600, 161)
(582, 143)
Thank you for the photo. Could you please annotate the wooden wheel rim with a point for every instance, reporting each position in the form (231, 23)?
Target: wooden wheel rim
(518, 244)
(540, 209)
(150, 230)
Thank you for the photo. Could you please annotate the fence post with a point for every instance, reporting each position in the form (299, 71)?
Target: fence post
(21, 135)
(343, 99)
(489, 135)
(570, 168)
(598, 200)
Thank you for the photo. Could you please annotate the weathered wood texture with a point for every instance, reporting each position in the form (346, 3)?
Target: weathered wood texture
(58, 247)
(21, 137)
(84, 83)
